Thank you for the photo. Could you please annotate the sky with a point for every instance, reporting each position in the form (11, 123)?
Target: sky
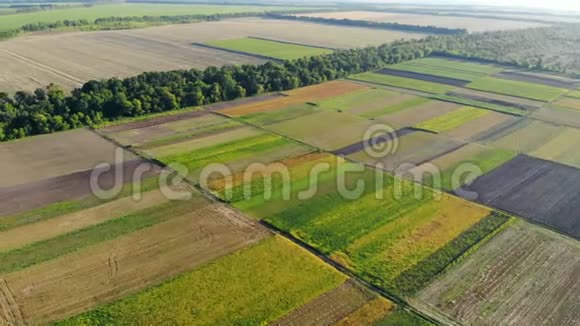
(547, 4)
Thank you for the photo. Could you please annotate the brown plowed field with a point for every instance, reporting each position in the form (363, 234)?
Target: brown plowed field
(53, 227)
(297, 96)
(41, 157)
(24, 197)
(525, 275)
(328, 308)
(108, 271)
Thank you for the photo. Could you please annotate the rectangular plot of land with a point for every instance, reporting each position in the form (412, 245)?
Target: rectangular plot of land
(542, 191)
(568, 102)
(452, 120)
(472, 130)
(546, 80)
(296, 96)
(114, 269)
(496, 99)
(409, 151)
(525, 275)
(402, 82)
(416, 114)
(562, 149)
(525, 137)
(557, 115)
(424, 76)
(330, 307)
(255, 286)
(327, 130)
(41, 157)
(517, 88)
(273, 49)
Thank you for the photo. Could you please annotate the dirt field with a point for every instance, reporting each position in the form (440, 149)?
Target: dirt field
(123, 266)
(46, 156)
(539, 190)
(20, 198)
(424, 77)
(523, 276)
(471, 24)
(328, 308)
(53, 227)
(68, 59)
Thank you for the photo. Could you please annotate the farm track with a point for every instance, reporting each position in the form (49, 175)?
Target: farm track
(43, 67)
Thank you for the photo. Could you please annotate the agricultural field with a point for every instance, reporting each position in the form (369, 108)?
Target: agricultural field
(259, 285)
(514, 278)
(412, 115)
(562, 148)
(524, 186)
(469, 23)
(453, 120)
(537, 78)
(516, 103)
(460, 166)
(69, 59)
(125, 10)
(455, 69)
(568, 102)
(424, 77)
(559, 116)
(401, 82)
(374, 245)
(517, 88)
(267, 48)
(408, 151)
(525, 136)
(120, 255)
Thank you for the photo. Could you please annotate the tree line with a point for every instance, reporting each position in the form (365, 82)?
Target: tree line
(371, 24)
(49, 110)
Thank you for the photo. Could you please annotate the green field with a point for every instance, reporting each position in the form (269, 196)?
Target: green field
(414, 66)
(274, 116)
(357, 99)
(457, 65)
(272, 49)
(16, 21)
(396, 107)
(480, 104)
(517, 88)
(251, 287)
(452, 120)
(574, 94)
(395, 81)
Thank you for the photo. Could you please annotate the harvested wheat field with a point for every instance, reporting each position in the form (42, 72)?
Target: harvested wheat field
(68, 59)
(42, 157)
(525, 275)
(116, 268)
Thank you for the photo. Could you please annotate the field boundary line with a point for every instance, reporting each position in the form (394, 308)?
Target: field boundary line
(292, 43)
(43, 67)
(259, 56)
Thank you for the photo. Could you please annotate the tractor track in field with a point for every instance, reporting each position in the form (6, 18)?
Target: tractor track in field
(10, 313)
